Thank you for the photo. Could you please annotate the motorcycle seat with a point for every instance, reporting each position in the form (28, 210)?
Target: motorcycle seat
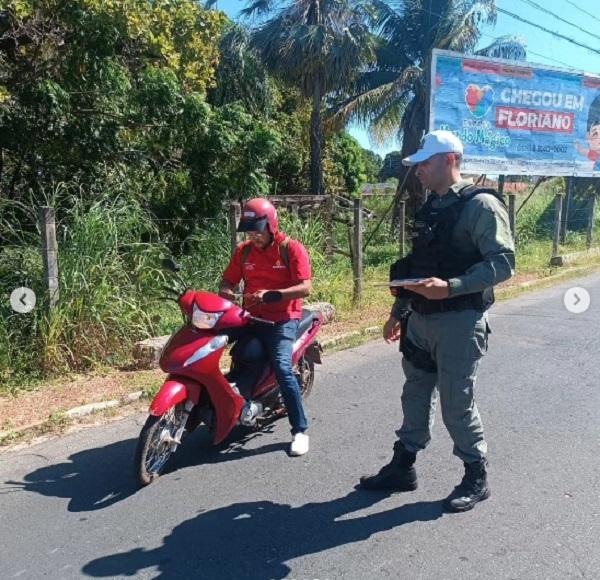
(308, 317)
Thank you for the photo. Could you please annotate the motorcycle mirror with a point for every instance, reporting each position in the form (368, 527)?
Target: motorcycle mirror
(170, 264)
(272, 296)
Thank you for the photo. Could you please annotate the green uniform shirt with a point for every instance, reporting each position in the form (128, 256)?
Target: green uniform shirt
(483, 225)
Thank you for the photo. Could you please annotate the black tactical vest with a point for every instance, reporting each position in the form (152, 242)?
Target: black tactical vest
(434, 255)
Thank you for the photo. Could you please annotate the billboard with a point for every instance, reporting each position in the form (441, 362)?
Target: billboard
(515, 117)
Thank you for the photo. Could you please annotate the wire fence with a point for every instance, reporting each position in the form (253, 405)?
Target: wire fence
(564, 227)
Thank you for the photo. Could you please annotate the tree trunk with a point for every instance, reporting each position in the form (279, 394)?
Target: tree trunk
(413, 127)
(316, 166)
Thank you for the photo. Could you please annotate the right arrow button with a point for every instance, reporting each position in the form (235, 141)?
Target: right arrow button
(576, 300)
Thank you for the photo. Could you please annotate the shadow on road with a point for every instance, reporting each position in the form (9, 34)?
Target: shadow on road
(97, 478)
(92, 479)
(254, 540)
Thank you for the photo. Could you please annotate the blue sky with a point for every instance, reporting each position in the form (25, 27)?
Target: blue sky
(542, 47)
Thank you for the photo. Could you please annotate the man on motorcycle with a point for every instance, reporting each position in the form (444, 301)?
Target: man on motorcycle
(270, 260)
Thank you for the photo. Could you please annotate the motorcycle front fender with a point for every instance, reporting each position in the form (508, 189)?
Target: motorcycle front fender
(175, 390)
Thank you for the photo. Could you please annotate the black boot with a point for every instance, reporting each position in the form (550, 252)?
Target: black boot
(398, 475)
(472, 489)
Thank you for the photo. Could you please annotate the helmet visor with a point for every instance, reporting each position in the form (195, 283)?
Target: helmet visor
(253, 224)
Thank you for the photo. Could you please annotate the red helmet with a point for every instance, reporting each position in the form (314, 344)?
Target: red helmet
(257, 215)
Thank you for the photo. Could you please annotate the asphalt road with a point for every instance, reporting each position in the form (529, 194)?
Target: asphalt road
(69, 508)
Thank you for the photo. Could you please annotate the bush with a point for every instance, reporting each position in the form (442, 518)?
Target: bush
(106, 272)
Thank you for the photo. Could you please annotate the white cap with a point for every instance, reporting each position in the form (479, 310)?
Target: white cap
(433, 143)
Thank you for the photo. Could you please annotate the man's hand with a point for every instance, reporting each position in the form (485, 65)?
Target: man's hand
(227, 293)
(254, 298)
(391, 330)
(432, 289)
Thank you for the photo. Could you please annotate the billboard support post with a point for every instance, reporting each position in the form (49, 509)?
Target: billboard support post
(556, 259)
(565, 214)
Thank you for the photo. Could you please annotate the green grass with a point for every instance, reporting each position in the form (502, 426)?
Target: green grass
(534, 257)
(535, 230)
(105, 274)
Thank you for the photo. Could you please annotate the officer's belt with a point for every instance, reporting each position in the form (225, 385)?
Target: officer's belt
(464, 302)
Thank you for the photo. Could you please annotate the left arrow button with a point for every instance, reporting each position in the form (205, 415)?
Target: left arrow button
(23, 300)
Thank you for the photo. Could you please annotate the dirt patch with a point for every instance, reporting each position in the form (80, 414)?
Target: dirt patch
(53, 398)
(60, 425)
(362, 318)
(519, 279)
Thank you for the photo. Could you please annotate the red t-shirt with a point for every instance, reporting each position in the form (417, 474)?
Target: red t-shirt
(265, 270)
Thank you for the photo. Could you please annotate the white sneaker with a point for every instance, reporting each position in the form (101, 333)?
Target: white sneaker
(299, 444)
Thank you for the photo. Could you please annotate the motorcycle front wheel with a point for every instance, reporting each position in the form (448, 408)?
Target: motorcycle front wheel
(156, 443)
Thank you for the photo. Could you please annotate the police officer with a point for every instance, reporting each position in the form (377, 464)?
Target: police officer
(461, 248)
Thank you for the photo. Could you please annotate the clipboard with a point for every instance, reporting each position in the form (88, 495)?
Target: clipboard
(405, 282)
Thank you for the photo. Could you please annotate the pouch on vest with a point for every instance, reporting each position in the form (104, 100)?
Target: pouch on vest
(419, 358)
(404, 327)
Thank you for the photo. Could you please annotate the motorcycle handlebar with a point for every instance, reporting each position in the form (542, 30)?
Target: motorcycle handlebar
(257, 319)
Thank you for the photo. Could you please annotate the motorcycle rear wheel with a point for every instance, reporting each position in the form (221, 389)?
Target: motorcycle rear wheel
(155, 444)
(305, 373)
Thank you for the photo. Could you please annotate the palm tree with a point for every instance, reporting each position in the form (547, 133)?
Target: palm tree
(241, 75)
(393, 95)
(506, 47)
(318, 46)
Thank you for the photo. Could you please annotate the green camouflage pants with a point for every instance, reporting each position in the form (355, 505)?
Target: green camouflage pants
(456, 342)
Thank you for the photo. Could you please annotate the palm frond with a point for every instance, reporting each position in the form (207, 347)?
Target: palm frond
(329, 51)
(259, 8)
(385, 126)
(388, 18)
(360, 108)
(461, 30)
(371, 104)
(507, 47)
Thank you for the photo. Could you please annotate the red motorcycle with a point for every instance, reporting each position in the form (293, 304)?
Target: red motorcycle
(197, 392)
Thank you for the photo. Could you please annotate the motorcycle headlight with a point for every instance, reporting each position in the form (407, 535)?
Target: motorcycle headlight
(204, 320)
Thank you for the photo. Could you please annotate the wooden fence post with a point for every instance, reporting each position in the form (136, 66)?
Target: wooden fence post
(402, 227)
(357, 254)
(235, 212)
(590, 226)
(329, 225)
(49, 253)
(501, 180)
(512, 214)
(565, 214)
(556, 259)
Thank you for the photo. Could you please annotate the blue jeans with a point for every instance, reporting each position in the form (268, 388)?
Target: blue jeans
(278, 341)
